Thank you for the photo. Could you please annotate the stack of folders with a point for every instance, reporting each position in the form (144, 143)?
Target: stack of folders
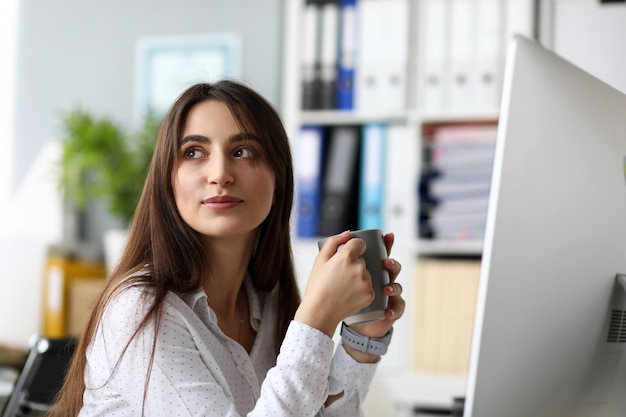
(463, 50)
(354, 54)
(455, 182)
(353, 177)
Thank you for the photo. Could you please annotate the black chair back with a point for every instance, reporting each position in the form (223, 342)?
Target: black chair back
(41, 377)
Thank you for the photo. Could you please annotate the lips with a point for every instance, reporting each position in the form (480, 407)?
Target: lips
(221, 202)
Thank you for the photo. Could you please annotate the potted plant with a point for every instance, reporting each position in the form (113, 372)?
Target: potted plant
(100, 161)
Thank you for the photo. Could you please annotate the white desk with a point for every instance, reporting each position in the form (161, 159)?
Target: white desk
(428, 391)
(407, 391)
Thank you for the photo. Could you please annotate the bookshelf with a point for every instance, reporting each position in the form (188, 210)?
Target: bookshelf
(428, 100)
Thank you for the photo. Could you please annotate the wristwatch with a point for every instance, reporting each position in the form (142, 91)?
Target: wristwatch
(364, 343)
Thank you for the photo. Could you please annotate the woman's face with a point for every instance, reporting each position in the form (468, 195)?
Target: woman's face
(223, 185)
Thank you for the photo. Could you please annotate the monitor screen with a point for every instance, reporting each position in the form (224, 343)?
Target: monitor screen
(547, 338)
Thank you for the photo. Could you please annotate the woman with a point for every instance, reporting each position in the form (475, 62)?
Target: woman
(202, 316)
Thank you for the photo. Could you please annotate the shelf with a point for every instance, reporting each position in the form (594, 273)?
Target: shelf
(417, 115)
(455, 117)
(450, 248)
(348, 117)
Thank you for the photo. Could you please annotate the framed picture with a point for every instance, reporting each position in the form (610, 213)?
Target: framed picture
(168, 65)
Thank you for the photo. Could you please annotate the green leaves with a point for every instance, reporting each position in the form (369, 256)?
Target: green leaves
(101, 162)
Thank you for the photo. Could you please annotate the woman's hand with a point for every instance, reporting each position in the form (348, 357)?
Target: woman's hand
(395, 308)
(339, 284)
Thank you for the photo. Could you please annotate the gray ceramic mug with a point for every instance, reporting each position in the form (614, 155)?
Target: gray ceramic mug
(374, 255)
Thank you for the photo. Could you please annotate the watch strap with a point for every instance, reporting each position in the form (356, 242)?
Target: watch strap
(376, 346)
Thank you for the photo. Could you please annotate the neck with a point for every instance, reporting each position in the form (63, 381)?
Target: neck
(234, 321)
(224, 285)
(229, 264)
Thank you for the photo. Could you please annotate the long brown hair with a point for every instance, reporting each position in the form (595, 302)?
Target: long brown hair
(171, 250)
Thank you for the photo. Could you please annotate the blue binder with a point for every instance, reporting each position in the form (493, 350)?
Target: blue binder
(309, 159)
(372, 178)
(347, 55)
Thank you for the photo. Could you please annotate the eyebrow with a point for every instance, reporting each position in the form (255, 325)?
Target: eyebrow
(239, 137)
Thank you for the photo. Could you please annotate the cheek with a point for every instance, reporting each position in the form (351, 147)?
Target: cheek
(266, 185)
(176, 188)
(182, 186)
(267, 199)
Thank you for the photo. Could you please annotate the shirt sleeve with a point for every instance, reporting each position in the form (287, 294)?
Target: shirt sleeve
(353, 379)
(298, 384)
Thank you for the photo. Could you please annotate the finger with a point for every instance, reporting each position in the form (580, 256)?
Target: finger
(393, 267)
(355, 246)
(332, 243)
(389, 239)
(393, 290)
(396, 308)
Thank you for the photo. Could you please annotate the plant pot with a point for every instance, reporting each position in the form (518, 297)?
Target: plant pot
(114, 241)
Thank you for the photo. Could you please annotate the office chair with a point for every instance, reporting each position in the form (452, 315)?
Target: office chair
(41, 377)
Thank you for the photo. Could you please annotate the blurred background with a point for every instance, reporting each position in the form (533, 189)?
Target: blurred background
(69, 65)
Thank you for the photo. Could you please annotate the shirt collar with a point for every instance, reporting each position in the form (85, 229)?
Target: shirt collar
(198, 302)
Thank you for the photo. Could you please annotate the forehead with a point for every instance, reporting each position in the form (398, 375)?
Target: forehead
(211, 115)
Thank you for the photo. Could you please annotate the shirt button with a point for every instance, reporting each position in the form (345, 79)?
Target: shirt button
(245, 367)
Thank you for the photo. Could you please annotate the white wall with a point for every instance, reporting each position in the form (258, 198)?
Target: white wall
(591, 35)
(8, 17)
(34, 223)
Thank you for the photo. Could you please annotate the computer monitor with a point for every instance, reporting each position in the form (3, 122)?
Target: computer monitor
(543, 343)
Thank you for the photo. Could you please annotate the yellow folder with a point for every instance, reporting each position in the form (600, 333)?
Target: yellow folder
(61, 272)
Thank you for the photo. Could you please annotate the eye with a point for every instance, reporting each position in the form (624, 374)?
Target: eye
(193, 153)
(245, 152)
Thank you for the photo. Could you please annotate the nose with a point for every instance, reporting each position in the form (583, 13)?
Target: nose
(220, 170)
